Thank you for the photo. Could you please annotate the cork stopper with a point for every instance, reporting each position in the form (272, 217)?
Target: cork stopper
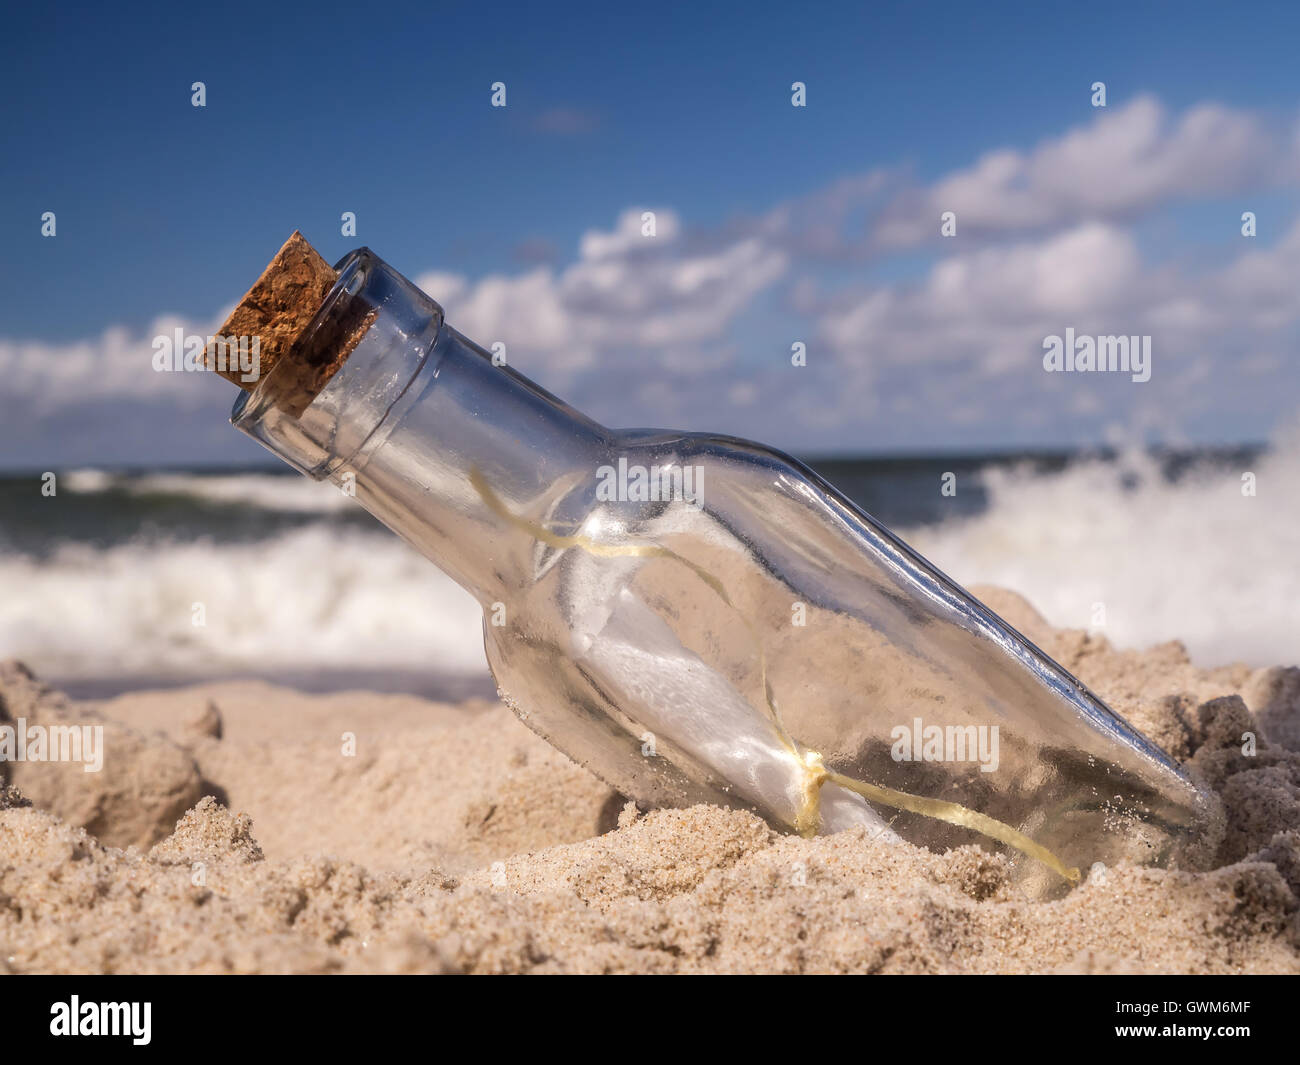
(278, 309)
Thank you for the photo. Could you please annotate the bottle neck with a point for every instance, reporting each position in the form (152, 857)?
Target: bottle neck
(431, 437)
(466, 441)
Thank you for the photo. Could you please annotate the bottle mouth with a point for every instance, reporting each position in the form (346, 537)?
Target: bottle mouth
(396, 325)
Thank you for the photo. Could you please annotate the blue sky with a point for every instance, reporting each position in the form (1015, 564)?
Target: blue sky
(806, 224)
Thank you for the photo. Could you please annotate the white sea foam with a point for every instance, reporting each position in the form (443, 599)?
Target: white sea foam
(267, 491)
(314, 597)
(1195, 561)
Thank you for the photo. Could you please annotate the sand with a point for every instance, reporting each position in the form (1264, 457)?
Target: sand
(241, 827)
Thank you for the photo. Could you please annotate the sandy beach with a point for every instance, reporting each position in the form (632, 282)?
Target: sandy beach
(242, 827)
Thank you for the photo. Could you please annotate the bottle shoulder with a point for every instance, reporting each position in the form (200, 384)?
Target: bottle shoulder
(701, 446)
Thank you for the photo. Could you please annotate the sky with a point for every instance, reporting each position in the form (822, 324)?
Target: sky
(775, 225)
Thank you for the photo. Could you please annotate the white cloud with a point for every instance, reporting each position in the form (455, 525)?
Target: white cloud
(1263, 284)
(1125, 160)
(641, 329)
(41, 377)
(625, 291)
(980, 307)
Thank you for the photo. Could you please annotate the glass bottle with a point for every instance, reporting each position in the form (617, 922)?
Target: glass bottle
(699, 618)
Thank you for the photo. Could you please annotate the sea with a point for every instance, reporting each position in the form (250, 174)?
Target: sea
(126, 579)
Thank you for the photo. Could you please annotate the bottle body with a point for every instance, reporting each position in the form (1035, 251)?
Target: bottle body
(698, 618)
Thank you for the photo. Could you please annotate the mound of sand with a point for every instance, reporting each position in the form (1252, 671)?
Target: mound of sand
(240, 827)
